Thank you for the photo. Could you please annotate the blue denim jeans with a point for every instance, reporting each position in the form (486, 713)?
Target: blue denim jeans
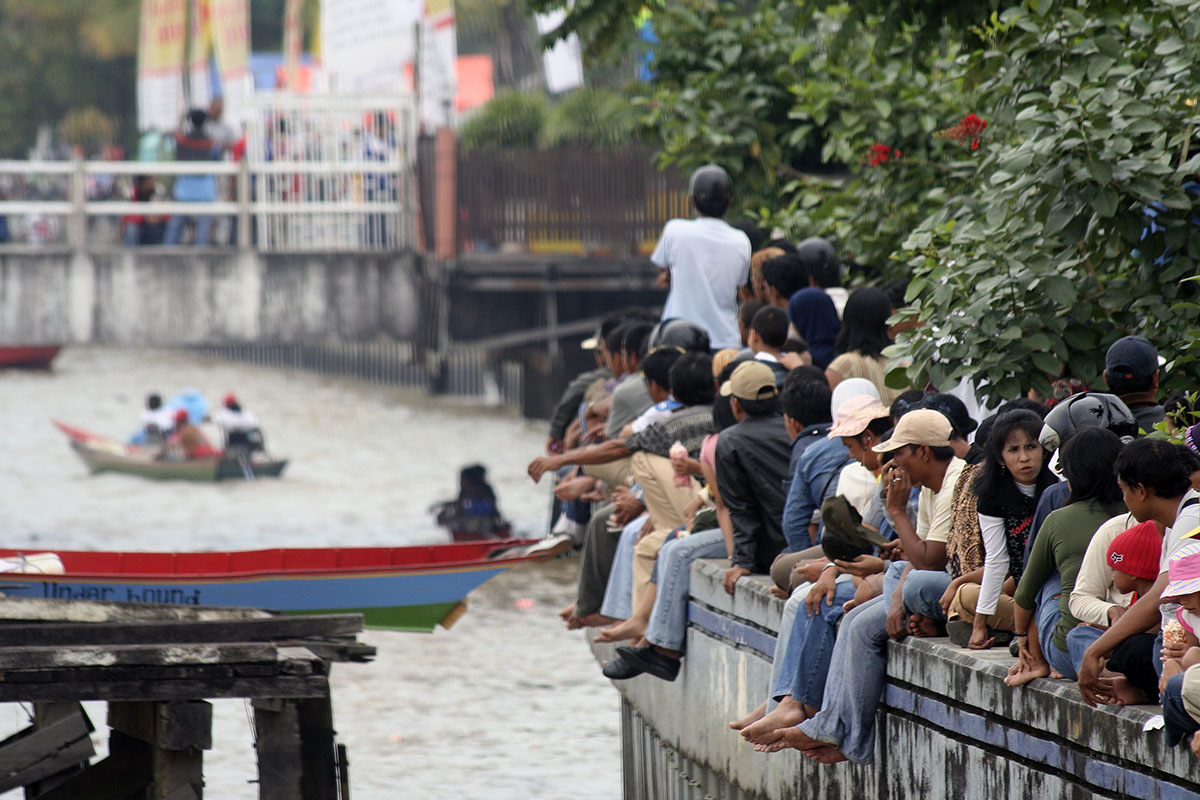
(174, 234)
(1179, 723)
(668, 620)
(1048, 613)
(814, 638)
(618, 594)
(855, 683)
(1078, 641)
(923, 590)
(780, 681)
(794, 629)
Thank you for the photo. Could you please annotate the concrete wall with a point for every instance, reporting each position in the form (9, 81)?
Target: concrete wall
(169, 296)
(949, 727)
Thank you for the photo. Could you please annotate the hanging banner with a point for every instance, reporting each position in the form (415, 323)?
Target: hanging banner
(437, 73)
(364, 44)
(161, 51)
(231, 42)
(293, 42)
(200, 56)
(563, 63)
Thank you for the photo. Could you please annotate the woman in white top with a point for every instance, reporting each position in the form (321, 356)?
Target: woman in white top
(1014, 474)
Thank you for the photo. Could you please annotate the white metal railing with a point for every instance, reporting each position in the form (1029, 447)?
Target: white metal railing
(271, 206)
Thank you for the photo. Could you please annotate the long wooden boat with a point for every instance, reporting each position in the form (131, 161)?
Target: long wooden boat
(28, 356)
(401, 588)
(102, 454)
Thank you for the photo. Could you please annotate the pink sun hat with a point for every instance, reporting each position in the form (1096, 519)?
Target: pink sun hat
(1184, 569)
(855, 414)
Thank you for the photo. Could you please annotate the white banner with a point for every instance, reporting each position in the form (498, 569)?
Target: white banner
(438, 73)
(563, 62)
(161, 47)
(366, 43)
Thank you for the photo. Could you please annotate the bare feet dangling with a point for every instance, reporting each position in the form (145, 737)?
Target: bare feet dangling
(751, 718)
(631, 628)
(787, 714)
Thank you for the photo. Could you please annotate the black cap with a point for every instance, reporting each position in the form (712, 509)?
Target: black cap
(1132, 358)
(962, 422)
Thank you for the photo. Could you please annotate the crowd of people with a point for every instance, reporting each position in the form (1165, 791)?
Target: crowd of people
(754, 421)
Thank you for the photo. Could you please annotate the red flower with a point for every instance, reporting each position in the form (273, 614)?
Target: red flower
(969, 128)
(880, 153)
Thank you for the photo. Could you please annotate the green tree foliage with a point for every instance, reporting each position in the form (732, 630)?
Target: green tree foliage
(1051, 258)
(59, 55)
(587, 117)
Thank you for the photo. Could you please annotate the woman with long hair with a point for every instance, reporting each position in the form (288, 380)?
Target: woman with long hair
(1042, 613)
(860, 342)
(1007, 486)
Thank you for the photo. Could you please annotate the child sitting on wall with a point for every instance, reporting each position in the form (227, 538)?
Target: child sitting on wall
(1180, 683)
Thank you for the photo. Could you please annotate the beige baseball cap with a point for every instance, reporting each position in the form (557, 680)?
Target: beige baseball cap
(922, 426)
(752, 380)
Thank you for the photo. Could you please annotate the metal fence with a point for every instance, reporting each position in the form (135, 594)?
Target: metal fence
(332, 173)
(572, 200)
(319, 175)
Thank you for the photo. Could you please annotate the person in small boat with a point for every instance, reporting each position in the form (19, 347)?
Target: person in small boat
(157, 421)
(239, 428)
(188, 442)
(474, 514)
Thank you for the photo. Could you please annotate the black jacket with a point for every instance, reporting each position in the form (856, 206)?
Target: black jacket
(752, 467)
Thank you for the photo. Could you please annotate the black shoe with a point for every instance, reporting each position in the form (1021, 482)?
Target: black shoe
(620, 670)
(647, 659)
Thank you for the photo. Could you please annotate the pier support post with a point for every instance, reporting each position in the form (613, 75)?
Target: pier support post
(296, 756)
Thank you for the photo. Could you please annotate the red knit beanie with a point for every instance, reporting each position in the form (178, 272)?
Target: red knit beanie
(1136, 551)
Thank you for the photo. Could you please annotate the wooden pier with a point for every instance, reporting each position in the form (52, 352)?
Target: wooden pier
(156, 667)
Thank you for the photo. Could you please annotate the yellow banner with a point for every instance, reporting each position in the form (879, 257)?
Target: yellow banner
(162, 40)
(231, 37)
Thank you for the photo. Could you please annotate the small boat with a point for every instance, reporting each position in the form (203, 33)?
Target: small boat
(400, 588)
(102, 454)
(28, 356)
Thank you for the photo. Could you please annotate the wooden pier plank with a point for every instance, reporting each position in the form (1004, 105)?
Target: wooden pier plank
(194, 689)
(174, 632)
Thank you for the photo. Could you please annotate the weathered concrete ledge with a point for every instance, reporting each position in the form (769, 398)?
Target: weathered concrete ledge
(948, 726)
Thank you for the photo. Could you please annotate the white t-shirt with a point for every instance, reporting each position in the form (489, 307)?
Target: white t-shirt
(162, 417)
(857, 484)
(995, 561)
(229, 420)
(708, 259)
(1187, 520)
(934, 508)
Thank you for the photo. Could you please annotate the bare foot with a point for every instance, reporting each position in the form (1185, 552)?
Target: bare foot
(788, 714)
(922, 627)
(773, 747)
(775, 591)
(597, 621)
(1126, 693)
(1055, 675)
(798, 739)
(749, 719)
(1019, 676)
(826, 755)
(631, 628)
(567, 612)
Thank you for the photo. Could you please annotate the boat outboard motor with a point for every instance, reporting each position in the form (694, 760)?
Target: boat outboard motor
(1088, 410)
(680, 333)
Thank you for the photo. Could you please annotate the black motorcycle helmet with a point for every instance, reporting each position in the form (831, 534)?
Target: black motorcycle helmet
(821, 261)
(680, 333)
(711, 190)
(1088, 410)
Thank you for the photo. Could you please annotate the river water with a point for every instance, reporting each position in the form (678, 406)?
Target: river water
(504, 705)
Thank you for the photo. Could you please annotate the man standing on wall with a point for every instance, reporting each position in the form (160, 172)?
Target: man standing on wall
(703, 261)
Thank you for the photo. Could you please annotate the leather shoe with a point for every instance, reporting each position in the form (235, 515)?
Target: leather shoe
(619, 670)
(647, 659)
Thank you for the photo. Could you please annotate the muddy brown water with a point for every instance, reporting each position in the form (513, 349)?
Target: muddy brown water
(503, 705)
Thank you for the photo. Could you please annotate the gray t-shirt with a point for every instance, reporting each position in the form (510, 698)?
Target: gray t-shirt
(629, 400)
